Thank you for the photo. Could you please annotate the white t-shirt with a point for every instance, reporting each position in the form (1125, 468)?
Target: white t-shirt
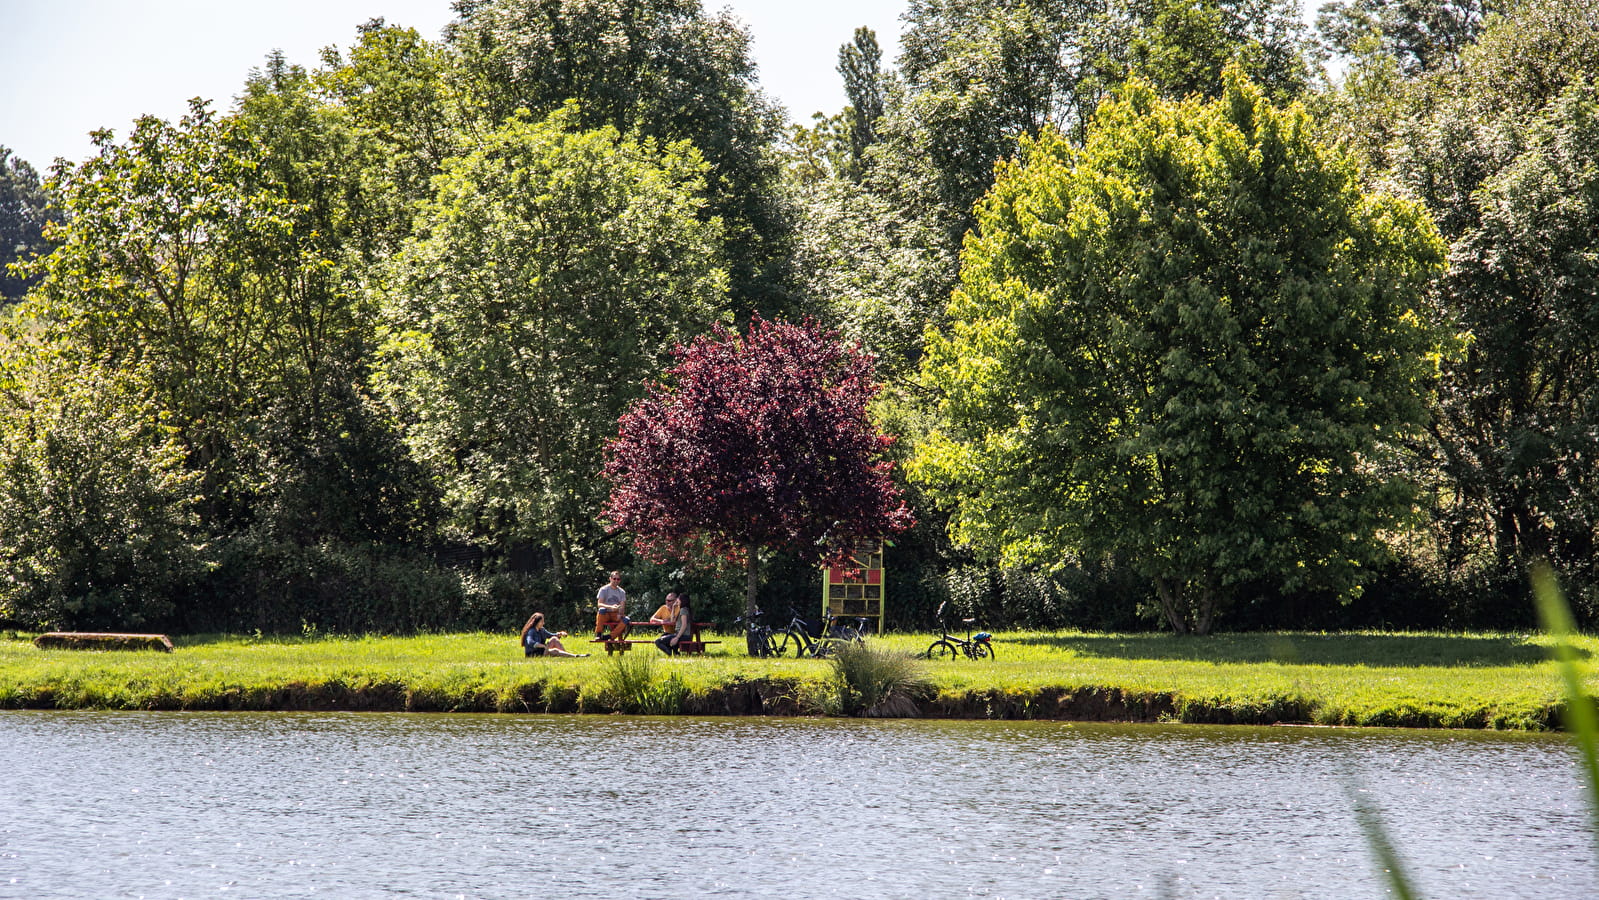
(612, 598)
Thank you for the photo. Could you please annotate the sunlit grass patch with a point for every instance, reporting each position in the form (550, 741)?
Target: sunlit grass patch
(1481, 680)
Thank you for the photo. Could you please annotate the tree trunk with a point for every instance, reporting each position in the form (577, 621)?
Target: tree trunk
(751, 582)
(1172, 605)
(557, 539)
(1207, 610)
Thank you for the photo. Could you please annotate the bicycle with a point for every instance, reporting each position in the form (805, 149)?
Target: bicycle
(760, 639)
(809, 640)
(978, 646)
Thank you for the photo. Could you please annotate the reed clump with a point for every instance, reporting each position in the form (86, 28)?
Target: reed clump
(632, 684)
(877, 681)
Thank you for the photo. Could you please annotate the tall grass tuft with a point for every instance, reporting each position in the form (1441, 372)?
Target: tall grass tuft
(872, 681)
(1377, 839)
(1580, 718)
(631, 684)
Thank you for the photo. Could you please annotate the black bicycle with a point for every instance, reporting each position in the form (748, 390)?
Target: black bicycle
(759, 638)
(948, 646)
(817, 640)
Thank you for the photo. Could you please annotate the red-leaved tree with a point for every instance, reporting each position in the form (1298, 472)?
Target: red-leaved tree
(756, 441)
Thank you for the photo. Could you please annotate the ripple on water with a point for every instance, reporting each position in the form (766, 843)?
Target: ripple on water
(378, 805)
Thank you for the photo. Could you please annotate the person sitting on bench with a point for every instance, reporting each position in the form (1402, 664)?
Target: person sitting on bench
(663, 615)
(683, 621)
(611, 621)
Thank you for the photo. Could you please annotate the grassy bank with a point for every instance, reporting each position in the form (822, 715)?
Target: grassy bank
(1412, 680)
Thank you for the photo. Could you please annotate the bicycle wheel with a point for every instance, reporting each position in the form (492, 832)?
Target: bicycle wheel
(981, 651)
(769, 640)
(941, 650)
(849, 633)
(788, 641)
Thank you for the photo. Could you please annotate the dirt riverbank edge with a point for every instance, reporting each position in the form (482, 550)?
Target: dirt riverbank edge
(788, 697)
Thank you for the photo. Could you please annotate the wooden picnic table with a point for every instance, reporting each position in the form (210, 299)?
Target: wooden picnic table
(694, 644)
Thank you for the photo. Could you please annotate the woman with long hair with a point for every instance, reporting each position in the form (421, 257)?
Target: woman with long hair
(682, 625)
(540, 641)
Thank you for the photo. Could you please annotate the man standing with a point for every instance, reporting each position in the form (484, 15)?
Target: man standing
(611, 618)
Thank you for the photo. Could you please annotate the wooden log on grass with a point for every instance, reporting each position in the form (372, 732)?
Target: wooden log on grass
(97, 640)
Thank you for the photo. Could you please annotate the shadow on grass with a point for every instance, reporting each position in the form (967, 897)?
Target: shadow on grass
(1379, 650)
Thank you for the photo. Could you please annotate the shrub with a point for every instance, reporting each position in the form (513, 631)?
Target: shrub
(873, 681)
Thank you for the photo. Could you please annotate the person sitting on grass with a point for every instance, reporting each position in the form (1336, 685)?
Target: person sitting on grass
(682, 619)
(540, 641)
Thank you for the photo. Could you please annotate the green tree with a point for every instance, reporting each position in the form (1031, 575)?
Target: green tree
(403, 94)
(24, 212)
(816, 153)
(1501, 149)
(976, 79)
(1422, 35)
(860, 64)
(548, 279)
(1191, 344)
(660, 68)
(978, 76)
(97, 524)
(326, 463)
(878, 275)
(157, 269)
(215, 262)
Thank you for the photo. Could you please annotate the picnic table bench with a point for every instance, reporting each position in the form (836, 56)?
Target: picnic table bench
(694, 644)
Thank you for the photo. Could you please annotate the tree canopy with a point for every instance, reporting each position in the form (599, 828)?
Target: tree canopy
(755, 441)
(1188, 344)
(548, 279)
(351, 349)
(24, 212)
(662, 68)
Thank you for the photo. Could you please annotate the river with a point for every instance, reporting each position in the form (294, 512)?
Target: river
(270, 805)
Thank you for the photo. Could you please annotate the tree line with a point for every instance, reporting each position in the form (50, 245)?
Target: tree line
(1184, 313)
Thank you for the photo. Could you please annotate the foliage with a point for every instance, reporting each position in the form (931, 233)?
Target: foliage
(1502, 151)
(876, 274)
(755, 441)
(659, 68)
(402, 93)
(218, 257)
(1192, 343)
(978, 77)
(818, 152)
(975, 80)
(157, 267)
(97, 525)
(1181, 47)
(859, 62)
(327, 462)
(1420, 35)
(548, 278)
(24, 213)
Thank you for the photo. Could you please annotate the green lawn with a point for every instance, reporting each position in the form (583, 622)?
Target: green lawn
(1437, 680)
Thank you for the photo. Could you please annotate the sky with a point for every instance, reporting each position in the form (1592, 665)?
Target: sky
(68, 67)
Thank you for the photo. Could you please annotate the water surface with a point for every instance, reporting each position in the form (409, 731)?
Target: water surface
(266, 805)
